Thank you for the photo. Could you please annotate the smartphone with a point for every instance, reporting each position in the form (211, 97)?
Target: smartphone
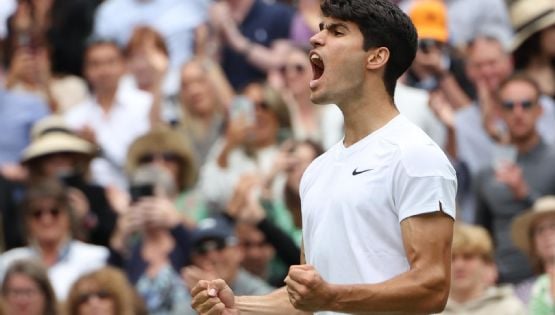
(139, 191)
(503, 154)
(242, 106)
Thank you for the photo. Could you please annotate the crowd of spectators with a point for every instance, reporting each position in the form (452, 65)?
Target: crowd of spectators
(149, 144)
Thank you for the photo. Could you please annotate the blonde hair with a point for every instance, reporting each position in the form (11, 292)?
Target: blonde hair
(472, 239)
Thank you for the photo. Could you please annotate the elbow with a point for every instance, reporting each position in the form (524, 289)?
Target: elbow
(436, 290)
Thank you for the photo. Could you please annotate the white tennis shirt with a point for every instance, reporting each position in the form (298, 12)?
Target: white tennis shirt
(353, 200)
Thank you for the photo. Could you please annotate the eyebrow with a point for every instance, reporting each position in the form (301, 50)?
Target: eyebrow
(332, 26)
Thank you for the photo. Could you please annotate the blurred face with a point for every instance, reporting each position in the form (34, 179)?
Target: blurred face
(196, 91)
(520, 109)
(488, 63)
(92, 300)
(301, 157)
(297, 73)
(23, 296)
(258, 253)
(267, 123)
(169, 161)
(48, 222)
(58, 163)
(222, 259)
(468, 272)
(543, 231)
(140, 64)
(547, 41)
(104, 66)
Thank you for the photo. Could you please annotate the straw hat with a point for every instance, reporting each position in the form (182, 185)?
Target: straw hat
(430, 20)
(160, 140)
(529, 17)
(51, 135)
(522, 224)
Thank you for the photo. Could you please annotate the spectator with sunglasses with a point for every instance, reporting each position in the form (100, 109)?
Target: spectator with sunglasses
(105, 291)
(56, 152)
(216, 253)
(509, 188)
(169, 150)
(436, 65)
(49, 222)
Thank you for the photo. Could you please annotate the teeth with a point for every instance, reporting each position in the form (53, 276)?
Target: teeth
(315, 57)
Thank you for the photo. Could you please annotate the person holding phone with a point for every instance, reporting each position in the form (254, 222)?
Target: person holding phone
(151, 240)
(378, 207)
(509, 188)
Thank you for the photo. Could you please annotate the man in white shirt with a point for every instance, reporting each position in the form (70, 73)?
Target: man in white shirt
(378, 207)
(114, 116)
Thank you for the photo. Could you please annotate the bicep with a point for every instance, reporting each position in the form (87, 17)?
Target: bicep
(427, 240)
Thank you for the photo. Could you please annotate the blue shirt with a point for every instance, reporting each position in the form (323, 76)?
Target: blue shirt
(263, 24)
(18, 112)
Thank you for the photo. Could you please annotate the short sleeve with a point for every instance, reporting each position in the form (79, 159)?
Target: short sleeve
(424, 182)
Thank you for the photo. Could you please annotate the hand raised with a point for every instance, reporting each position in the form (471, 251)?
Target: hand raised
(213, 298)
(306, 288)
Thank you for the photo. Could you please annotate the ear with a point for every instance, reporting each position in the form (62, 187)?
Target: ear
(377, 58)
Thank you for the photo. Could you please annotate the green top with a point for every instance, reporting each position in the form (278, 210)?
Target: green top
(541, 301)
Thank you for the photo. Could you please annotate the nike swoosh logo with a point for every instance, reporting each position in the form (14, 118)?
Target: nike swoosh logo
(355, 172)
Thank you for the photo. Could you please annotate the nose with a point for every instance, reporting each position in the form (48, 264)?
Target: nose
(317, 39)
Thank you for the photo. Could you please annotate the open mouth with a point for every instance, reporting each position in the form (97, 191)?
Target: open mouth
(317, 66)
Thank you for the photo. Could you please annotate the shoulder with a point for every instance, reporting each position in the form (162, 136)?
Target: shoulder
(418, 154)
(84, 251)
(15, 254)
(24, 100)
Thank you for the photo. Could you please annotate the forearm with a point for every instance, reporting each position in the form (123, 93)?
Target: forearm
(275, 303)
(413, 292)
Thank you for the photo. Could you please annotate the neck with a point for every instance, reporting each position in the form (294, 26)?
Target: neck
(526, 145)
(50, 251)
(106, 98)
(366, 113)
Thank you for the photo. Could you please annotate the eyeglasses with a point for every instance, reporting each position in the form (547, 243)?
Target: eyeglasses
(510, 105)
(297, 67)
(39, 214)
(87, 296)
(426, 44)
(166, 156)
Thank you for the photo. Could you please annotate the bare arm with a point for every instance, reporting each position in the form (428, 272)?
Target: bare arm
(208, 301)
(422, 289)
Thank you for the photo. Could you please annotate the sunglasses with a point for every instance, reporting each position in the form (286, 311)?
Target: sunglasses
(39, 214)
(510, 105)
(210, 245)
(166, 156)
(87, 296)
(427, 44)
(297, 68)
(248, 244)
